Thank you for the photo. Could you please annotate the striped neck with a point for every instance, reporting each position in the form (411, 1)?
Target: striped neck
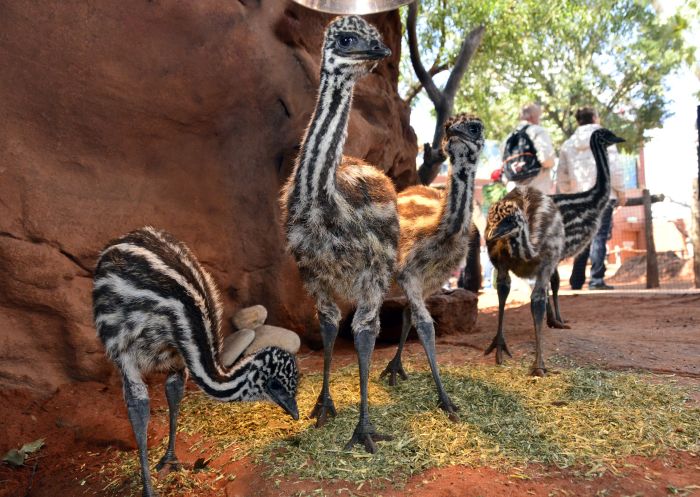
(457, 205)
(581, 211)
(322, 147)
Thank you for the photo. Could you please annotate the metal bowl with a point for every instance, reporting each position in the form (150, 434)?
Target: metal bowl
(358, 7)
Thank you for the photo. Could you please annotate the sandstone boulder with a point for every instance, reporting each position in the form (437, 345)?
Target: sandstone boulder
(453, 311)
(182, 115)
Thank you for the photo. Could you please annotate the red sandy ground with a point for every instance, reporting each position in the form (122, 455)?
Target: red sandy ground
(84, 423)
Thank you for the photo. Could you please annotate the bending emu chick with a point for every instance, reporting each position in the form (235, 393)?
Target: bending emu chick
(156, 309)
(524, 234)
(528, 233)
(434, 239)
(340, 215)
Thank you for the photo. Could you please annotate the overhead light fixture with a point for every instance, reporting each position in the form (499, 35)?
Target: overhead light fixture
(358, 7)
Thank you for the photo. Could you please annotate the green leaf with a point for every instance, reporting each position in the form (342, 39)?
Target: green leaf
(31, 447)
(14, 457)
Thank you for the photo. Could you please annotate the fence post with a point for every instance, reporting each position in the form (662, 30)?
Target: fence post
(695, 233)
(652, 264)
(695, 212)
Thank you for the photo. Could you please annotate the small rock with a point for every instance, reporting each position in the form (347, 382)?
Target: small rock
(250, 317)
(234, 345)
(274, 336)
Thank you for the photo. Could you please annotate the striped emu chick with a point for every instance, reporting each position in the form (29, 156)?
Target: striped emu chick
(156, 309)
(434, 239)
(524, 234)
(340, 214)
(582, 212)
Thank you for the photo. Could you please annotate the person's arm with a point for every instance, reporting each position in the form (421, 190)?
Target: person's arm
(563, 173)
(617, 175)
(544, 146)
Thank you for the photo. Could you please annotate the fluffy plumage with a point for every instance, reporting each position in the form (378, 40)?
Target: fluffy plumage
(434, 239)
(157, 309)
(528, 233)
(340, 214)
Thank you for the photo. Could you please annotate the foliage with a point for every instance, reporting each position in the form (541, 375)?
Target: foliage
(611, 54)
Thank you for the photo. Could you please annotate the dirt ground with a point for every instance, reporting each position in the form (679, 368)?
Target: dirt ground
(84, 424)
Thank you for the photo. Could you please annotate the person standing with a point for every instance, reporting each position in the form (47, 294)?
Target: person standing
(490, 193)
(528, 153)
(577, 173)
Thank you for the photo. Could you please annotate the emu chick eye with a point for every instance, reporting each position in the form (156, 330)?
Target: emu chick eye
(346, 41)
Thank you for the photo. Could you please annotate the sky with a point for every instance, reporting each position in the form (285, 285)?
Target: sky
(670, 155)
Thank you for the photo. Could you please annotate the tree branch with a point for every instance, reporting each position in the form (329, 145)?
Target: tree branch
(466, 52)
(416, 88)
(425, 79)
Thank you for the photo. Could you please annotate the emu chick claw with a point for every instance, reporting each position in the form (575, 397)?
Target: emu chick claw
(322, 410)
(499, 347)
(368, 440)
(392, 369)
(557, 324)
(450, 409)
(168, 466)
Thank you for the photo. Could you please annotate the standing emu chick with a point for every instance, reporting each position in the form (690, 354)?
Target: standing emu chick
(434, 239)
(156, 309)
(340, 214)
(528, 233)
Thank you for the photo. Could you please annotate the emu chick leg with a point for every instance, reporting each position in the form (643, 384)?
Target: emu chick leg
(499, 341)
(365, 327)
(538, 305)
(554, 319)
(395, 367)
(325, 407)
(138, 407)
(174, 389)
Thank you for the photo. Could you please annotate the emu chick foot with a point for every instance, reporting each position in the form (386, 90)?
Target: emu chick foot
(450, 408)
(393, 369)
(559, 324)
(171, 463)
(537, 371)
(323, 409)
(367, 436)
(499, 345)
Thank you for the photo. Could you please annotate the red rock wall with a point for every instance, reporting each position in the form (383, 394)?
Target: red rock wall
(182, 115)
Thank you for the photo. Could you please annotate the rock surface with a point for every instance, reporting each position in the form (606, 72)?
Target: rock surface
(454, 312)
(183, 115)
(274, 336)
(250, 317)
(234, 345)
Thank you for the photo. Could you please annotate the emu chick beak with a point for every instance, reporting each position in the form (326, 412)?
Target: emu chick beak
(288, 403)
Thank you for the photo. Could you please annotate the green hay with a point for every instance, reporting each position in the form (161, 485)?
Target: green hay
(580, 417)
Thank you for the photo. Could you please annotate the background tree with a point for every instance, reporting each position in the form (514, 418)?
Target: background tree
(443, 100)
(562, 54)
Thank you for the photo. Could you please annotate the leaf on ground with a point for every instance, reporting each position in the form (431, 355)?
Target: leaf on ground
(201, 464)
(32, 447)
(14, 457)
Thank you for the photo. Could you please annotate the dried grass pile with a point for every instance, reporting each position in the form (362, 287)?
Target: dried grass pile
(580, 417)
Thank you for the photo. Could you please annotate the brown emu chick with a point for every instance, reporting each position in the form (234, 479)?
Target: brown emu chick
(524, 234)
(340, 214)
(434, 236)
(528, 233)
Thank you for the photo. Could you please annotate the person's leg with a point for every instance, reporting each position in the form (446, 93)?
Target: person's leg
(488, 272)
(598, 247)
(578, 272)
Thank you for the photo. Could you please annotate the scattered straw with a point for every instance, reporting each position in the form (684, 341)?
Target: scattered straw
(583, 417)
